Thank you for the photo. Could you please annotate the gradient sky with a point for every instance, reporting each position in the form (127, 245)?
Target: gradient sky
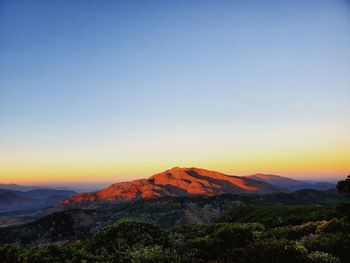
(104, 91)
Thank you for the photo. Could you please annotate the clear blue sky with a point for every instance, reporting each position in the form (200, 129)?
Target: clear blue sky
(106, 80)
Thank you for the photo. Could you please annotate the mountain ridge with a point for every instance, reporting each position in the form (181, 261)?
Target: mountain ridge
(289, 183)
(15, 200)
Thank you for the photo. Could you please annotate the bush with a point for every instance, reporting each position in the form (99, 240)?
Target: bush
(337, 244)
(344, 209)
(226, 241)
(292, 232)
(275, 251)
(155, 254)
(333, 226)
(126, 235)
(232, 236)
(322, 257)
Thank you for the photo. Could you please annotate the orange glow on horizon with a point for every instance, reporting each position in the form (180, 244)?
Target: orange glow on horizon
(296, 166)
(286, 152)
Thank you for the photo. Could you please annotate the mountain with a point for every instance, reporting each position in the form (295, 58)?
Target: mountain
(45, 193)
(13, 200)
(290, 184)
(174, 182)
(9, 200)
(17, 187)
(322, 186)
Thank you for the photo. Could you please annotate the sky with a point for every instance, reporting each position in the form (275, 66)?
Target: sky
(105, 91)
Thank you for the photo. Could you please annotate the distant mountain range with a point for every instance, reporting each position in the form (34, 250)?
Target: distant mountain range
(290, 184)
(184, 182)
(14, 200)
(81, 188)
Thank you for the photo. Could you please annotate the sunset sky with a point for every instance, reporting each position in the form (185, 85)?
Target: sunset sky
(117, 90)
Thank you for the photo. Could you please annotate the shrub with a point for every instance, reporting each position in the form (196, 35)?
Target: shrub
(292, 232)
(275, 251)
(233, 236)
(322, 257)
(126, 235)
(333, 226)
(337, 244)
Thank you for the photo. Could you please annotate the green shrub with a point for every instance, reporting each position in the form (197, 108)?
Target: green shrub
(337, 244)
(275, 251)
(292, 232)
(126, 235)
(333, 226)
(232, 236)
(278, 215)
(322, 257)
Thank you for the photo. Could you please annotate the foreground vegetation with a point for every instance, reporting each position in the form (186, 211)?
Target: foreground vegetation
(135, 241)
(306, 234)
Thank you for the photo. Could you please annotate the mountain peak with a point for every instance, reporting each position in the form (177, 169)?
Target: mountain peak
(187, 174)
(176, 168)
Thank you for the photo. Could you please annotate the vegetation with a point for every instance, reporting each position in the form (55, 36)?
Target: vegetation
(288, 234)
(344, 187)
(136, 241)
(282, 215)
